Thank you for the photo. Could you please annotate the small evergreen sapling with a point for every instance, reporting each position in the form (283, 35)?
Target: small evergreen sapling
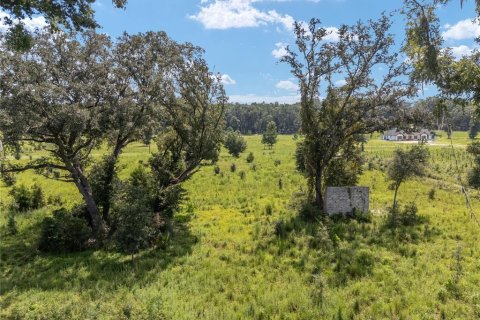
(269, 137)
(11, 225)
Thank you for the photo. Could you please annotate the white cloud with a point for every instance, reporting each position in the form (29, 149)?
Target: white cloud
(287, 85)
(227, 80)
(340, 83)
(460, 51)
(226, 14)
(38, 22)
(332, 34)
(280, 50)
(35, 23)
(250, 98)
(464, 29)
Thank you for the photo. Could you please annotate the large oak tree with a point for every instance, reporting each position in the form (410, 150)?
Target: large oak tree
(334, 116)
(74, 95)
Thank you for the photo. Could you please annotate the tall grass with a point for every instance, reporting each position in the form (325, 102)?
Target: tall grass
(225, 260)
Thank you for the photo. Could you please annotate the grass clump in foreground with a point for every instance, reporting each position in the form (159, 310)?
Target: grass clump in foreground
(241, 248)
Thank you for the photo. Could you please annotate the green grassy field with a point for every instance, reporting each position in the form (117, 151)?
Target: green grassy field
(225, 260)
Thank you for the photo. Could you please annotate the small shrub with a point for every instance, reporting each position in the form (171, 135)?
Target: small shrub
(54, 200)
(431, 194)
(268, 209)
(216, 169)
(474, 178)
(11, 225)
(309, 212)
(250, 157)
(8, 178)
(81, 211)
(242, 175)
(319, 286)
(365, 217)
(37, 198)
(25, 199)
(64, 233)
(277, 162)
(280, 183)
(233, 167)
(21, 198)
(133, 220)
(254, 167)
(321, 238)
(406, 217)
(409, 214)
(280, 229)
(371, 165)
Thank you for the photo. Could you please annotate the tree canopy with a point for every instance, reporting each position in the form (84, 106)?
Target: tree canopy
(331, 115)
(432, 63)
(48, 97)
(405, 165)
(75, 15)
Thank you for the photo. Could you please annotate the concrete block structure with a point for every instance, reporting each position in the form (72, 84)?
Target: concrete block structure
(344, 200)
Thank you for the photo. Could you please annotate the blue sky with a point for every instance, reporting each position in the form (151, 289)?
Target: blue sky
(243, 38)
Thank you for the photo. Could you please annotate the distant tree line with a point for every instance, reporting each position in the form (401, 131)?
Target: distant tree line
(254, 118)
(444, 113)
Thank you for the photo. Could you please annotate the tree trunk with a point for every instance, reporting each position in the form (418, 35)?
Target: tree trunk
(110, 173)
(395, 196)
(318, 189)
(394, 209)
(83, 186)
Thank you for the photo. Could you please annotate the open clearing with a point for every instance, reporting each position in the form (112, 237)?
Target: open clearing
(226, 258)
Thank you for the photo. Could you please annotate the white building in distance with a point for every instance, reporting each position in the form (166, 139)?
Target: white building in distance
(402, 135)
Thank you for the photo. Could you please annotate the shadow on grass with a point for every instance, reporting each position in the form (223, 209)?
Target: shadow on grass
(347, 244)
(23, 268)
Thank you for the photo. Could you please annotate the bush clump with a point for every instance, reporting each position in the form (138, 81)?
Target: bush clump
(37, 199)
(235, 143)
(8, 178)
(64, 233)
(242, 175)
(406, 217)
(133, 220)
(25, 199)
(268, 209)
(11, 225)
(250, 157)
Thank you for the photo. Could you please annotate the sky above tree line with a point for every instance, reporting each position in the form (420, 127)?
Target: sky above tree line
(244, 39)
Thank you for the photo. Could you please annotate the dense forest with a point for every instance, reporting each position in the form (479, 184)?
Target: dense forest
(253, 118)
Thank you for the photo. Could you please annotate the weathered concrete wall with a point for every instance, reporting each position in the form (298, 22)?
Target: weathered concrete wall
(342, 200)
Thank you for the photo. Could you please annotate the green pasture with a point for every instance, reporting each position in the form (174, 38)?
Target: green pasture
(240, 250)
